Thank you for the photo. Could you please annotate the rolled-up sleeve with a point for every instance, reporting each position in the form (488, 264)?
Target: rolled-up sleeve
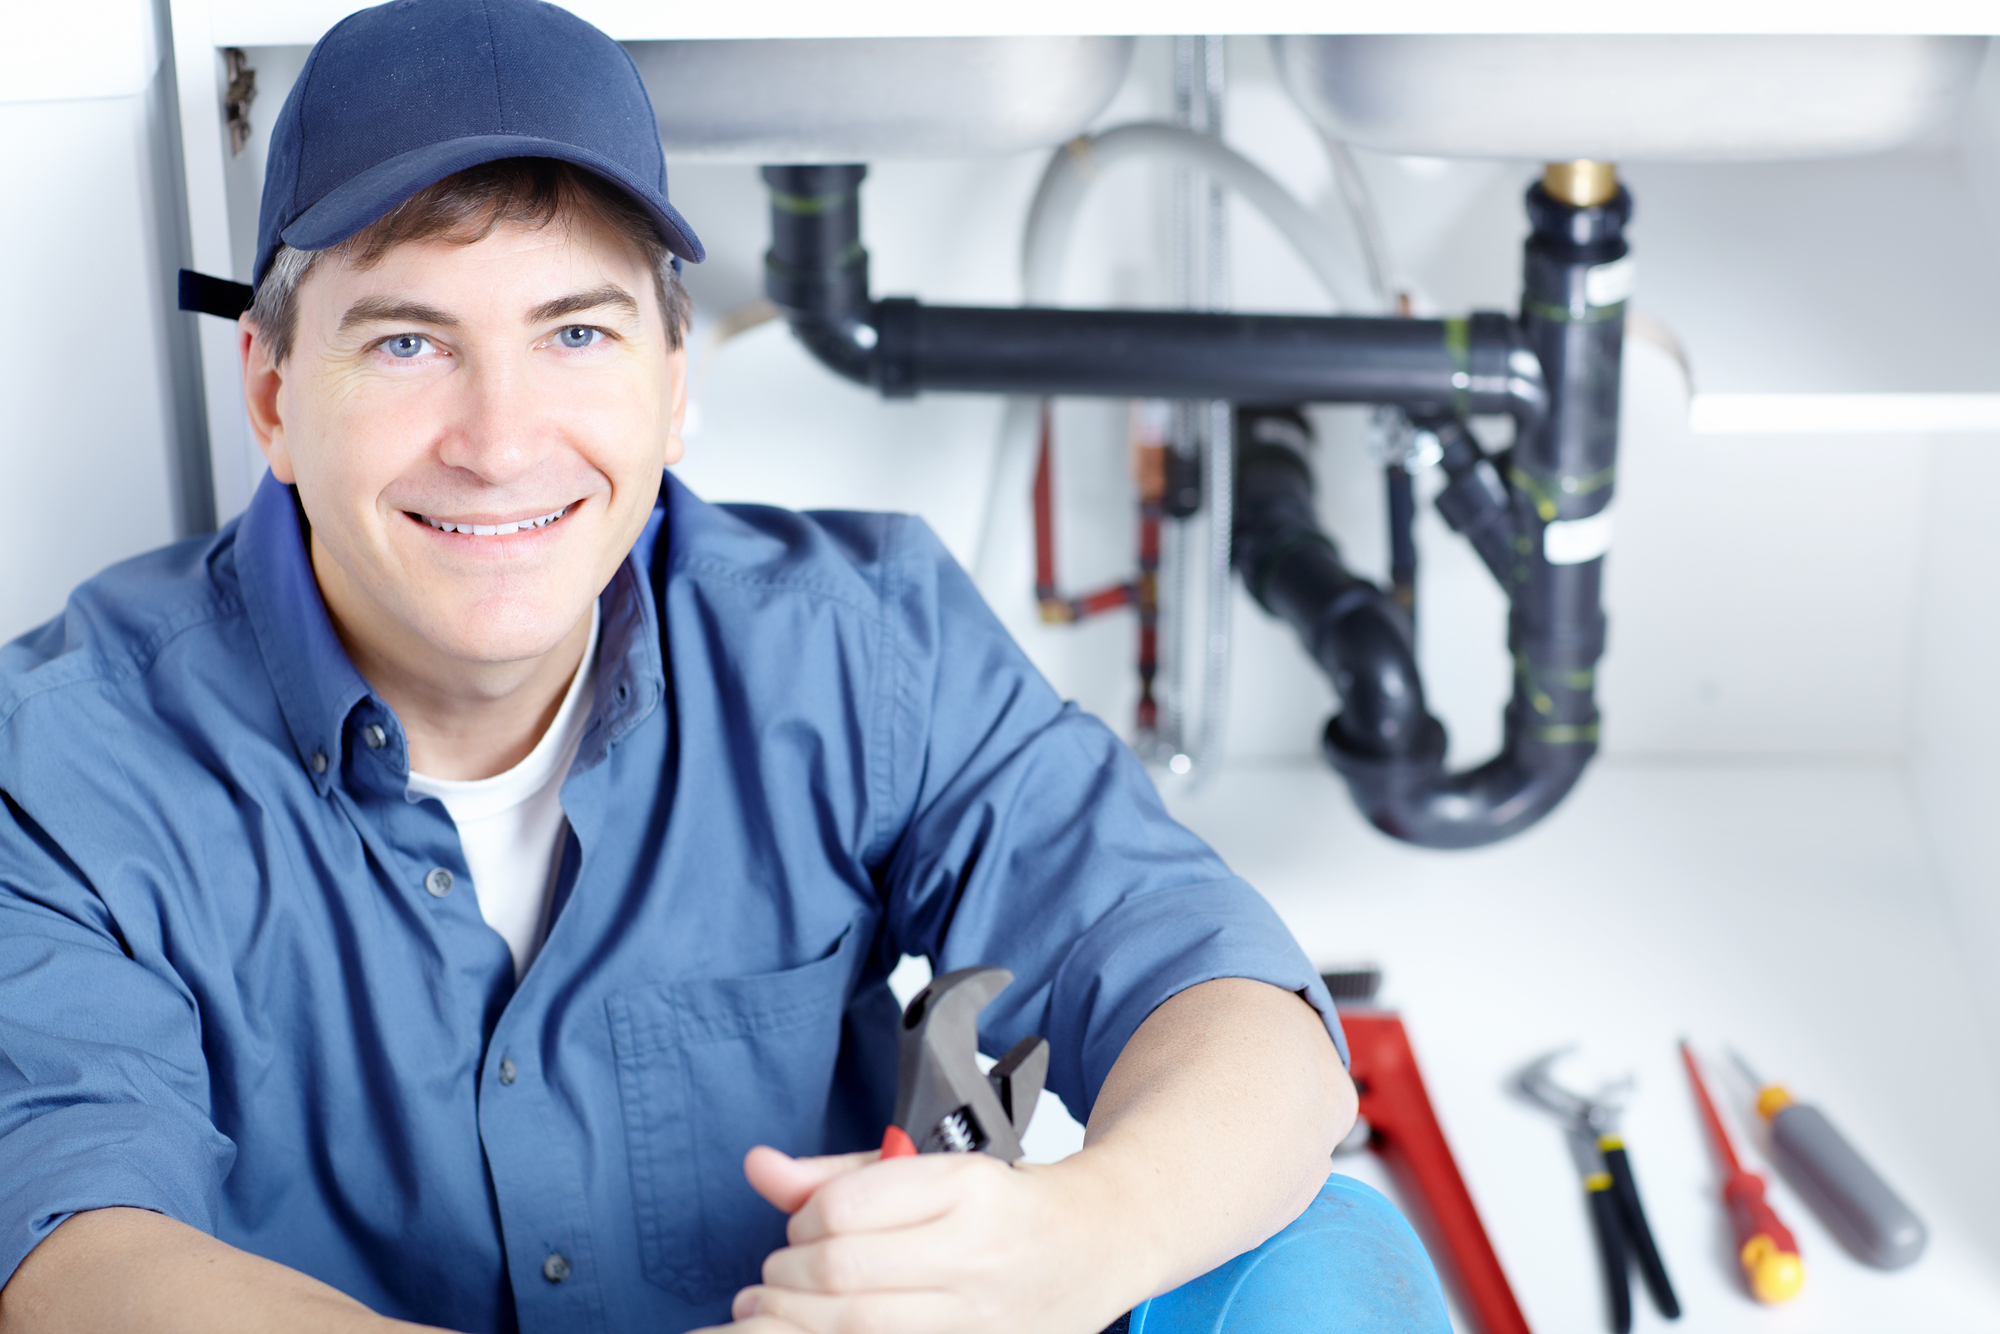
(103, 1085)
(1027, 835)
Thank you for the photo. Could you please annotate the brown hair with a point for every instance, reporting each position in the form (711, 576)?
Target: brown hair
(465, 209)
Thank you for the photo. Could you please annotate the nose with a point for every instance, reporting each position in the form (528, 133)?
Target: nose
(498, 429)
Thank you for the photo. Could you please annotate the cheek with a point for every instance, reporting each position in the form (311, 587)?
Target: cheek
(621, 420)
(360, 440)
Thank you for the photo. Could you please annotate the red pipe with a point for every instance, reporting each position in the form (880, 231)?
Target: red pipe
(1045, 524)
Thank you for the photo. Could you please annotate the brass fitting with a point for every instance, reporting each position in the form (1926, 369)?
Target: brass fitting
(1582, 183)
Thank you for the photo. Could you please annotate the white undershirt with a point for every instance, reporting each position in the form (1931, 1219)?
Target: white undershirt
(511, 825)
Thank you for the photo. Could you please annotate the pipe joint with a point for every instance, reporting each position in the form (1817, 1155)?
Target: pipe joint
(816, 270)
(1505, 375)
(1560, 226)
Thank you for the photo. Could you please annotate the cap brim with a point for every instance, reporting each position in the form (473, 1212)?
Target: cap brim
(358, 202)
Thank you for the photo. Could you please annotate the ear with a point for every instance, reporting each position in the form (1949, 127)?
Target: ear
(677, 371)
(263, 379)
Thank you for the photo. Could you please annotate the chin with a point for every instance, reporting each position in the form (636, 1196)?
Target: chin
(511, 635)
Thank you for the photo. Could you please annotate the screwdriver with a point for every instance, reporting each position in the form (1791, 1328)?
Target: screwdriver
(1837, 1181)
(1769, 1255)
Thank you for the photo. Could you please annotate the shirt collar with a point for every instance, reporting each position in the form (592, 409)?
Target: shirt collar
(317, 683)
(318, 686)
(631, 668)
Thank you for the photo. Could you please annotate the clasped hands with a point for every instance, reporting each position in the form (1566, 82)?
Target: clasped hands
(938, 1242)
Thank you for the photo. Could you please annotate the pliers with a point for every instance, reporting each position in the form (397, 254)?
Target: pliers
(1620, 1221)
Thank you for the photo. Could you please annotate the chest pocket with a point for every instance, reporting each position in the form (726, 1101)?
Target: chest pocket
(706, 1070)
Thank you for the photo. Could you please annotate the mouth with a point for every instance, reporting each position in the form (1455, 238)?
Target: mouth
(496, 529)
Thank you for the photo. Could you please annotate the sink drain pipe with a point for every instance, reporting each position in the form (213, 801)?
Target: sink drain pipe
(1537, 515)
(817, 273)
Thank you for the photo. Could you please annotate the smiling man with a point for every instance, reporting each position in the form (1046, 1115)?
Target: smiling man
(462, 890)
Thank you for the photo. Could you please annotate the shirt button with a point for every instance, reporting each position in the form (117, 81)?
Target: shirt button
(556, 1268)
(438, 882)
(318, 761)
(507, 1070)
(375, 736)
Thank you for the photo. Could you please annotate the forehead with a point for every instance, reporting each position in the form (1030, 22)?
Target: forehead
(511, 260)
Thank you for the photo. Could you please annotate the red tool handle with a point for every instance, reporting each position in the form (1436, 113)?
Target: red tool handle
(896, 1143)
(1764, 1246)
(1751, 1215)
(1409, 1139)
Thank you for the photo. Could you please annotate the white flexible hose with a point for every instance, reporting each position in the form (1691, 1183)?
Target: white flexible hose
(1059, 199)
(1045, 246)
(1361, 211)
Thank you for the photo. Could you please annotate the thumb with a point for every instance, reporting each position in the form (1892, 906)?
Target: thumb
(789, 1182)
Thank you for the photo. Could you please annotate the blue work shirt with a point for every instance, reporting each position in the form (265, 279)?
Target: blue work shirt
(244, 979)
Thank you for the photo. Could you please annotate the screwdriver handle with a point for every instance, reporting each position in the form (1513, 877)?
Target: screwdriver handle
(896, 1143)
(1765, 1246)
(1874, 1221)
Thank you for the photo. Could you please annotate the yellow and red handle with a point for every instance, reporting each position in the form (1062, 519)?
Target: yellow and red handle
(1764, 1245)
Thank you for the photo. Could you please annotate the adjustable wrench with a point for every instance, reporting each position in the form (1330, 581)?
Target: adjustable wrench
(943, 1103)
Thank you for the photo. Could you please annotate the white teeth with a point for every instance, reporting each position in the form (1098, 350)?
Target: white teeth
(494, 529)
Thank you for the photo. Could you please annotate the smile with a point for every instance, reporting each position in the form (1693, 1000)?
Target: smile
(496, 529)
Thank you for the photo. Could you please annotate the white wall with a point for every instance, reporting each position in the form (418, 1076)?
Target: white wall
(1957, 698)
(90, 430)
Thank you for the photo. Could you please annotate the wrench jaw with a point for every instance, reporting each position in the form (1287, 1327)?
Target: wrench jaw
(1017, 1079)
(1593, 1116)
(943, 1101)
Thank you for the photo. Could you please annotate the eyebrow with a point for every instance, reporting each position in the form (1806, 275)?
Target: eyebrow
(577, 302)
(389, 310)
(382, 309)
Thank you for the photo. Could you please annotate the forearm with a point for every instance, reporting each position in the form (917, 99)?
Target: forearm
(134, 1270)
(1214, 1128)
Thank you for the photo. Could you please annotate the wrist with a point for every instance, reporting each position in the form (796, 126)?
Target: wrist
(1115, 1210)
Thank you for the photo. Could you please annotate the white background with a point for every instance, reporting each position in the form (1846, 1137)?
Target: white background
(1787, 844)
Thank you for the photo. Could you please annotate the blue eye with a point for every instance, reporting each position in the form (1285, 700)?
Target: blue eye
(406, 346)
(578, 335)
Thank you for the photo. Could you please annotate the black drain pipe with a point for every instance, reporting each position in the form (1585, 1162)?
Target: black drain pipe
(1555, 371)
(1538, 530)
(817, 273)
(1358, 634)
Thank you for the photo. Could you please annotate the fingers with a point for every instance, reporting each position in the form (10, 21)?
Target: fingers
(789, 1182)
(878, 1313)
(899, 1193)
(756, 1324)
(903, 1260)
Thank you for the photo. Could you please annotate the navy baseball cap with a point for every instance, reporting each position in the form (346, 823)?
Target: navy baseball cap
(396, 98)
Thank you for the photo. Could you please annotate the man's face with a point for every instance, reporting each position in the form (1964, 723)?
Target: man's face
(476, 433)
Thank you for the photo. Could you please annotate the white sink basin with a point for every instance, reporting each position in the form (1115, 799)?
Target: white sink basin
(869, 99)
(1619, 98)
